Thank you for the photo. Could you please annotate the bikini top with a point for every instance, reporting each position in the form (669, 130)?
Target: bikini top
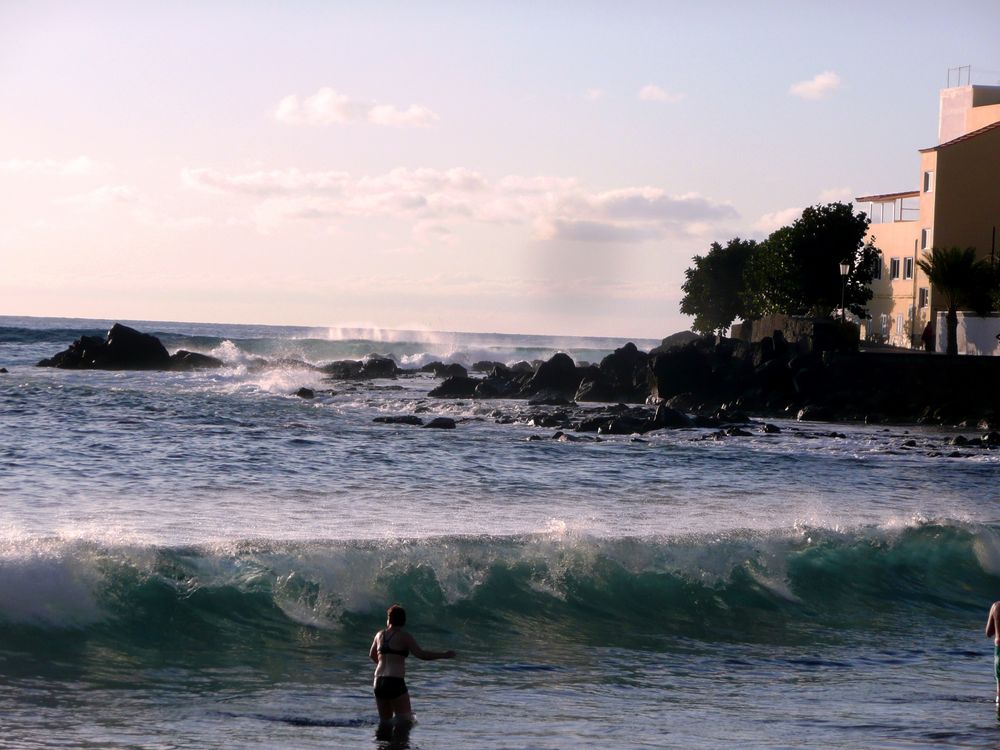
(385, 648)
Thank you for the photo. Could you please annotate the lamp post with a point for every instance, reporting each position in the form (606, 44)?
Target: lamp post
(845, 268)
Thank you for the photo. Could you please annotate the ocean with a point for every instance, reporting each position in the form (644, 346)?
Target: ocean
(201, 560)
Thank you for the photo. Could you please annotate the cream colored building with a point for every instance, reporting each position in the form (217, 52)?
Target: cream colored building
(957, 203)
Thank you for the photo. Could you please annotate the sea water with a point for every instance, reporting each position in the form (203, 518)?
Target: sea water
(201, 559)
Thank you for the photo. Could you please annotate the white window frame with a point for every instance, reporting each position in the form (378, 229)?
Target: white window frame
(923, 296)
(899, 324)
(893, 269)
(907, 268)
(884, 321)
(926, 238)
(878, 269)
(929, 181)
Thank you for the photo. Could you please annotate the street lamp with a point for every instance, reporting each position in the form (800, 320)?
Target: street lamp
(845, 268)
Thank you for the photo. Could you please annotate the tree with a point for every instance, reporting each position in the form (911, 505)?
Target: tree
(713, 290)
(797, 268)
(959, 277)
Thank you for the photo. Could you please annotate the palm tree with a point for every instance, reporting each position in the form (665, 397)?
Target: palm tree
(956, 274)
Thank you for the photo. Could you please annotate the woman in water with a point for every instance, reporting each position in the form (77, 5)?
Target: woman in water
(389, 651)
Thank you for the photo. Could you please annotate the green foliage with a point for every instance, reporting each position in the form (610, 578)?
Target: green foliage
(961, 280)
(713, 289)
(797, 269)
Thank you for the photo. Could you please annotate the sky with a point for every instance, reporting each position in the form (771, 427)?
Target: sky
(521, 167)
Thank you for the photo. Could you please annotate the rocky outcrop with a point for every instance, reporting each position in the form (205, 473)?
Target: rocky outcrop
(456, 387)
(123, 348)
(369, 368)
(622, 377)
(411, 419)
(440, 423)
(185, 360)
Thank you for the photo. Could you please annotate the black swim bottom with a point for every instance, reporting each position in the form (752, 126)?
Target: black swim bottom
(390, 688)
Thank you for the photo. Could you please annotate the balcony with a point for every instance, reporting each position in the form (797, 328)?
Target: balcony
(890, 208)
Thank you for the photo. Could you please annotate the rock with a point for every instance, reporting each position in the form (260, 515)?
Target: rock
(3, 370)
(557, 374)
(305, 393)
(667, 417)
(378, 367)
(549, 398)
(402, 419)
(814, 413)
(440, 423)
(344, 369)
(959, 440)
(484, 365)
(770, 429)
(681, 338)
(522, 367)
(625, 425)
(185, 360)
(456, 387)
(991, 439)
(123, 348)
(737, 432)
(441, 370)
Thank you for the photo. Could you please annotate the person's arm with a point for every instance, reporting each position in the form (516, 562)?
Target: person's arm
(991, 621)
(373, 651)
(427, 655)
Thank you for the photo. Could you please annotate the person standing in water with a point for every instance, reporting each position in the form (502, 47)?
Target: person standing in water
(389, 650)
(993, 631)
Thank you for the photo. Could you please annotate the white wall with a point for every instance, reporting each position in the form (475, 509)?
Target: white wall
(975, 335)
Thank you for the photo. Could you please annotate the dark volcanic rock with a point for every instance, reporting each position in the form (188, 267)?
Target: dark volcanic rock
(667, 417)
(549, 398)
(441, 370)
(367, 369)
(305, 393)
(485, 365)
(185, 360)
(557, 374)
(3, 370)
(814, 413)
(441, 423)
(456, 387)
(402, 419)
(124, 348)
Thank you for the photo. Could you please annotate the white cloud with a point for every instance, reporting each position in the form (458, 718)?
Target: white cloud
(593, 95)
(833, 195)
(653, 93)
(106, 195)
(819, 86)
(777, 219)
(436, 201)
(329, 107)
(78, 166)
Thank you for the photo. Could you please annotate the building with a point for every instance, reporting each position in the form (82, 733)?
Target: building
(957, 203)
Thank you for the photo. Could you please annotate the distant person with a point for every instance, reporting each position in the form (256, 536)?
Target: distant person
(389, 650)
(993, 631)
(928, 337)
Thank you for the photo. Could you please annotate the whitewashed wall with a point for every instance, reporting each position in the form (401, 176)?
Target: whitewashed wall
(976, 335)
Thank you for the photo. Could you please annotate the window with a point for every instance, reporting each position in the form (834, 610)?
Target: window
(894, 268)
(899, 323)
(928, 182)
(878, 269)
(923, 296)
(907, 268)
(884, 321)
(925, 238)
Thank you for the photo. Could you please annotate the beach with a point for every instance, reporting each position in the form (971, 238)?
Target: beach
(200, 559)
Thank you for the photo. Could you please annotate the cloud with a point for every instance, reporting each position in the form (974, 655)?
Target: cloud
(777, 219)
(106, 195)
(329, 107)
(76, 167)
(833, 195)
(435, 202)
(818, 87)
(593, 95)
(653, 93)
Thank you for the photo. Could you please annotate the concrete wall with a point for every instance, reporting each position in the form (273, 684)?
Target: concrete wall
(976, 335)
